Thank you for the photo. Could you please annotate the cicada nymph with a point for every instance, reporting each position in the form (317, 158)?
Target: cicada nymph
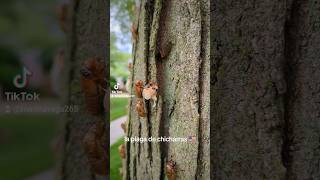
(93, 83)
(122, 152)
(96, 148)
(171, 170)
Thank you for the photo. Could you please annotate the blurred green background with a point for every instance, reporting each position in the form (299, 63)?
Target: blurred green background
(26, 145)
(116, 162)
(29, 37)
(122, 16)
(118, 108)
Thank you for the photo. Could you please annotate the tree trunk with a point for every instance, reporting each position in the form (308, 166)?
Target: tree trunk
(87, 37)
(265, 113)
(172, 49)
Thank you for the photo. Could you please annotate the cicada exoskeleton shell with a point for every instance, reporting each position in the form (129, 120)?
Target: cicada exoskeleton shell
(93, 84)
(96, 148)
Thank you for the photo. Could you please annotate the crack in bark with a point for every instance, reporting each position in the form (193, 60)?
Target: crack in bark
(200, 84)
(139, 144)
(135, 169)
(149, 6)
(163, 130)
(72, 36)
(172, 108)
(288, 49)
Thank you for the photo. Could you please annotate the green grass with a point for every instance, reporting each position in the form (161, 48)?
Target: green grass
(25, 145)
(115, 161)
(118, 107)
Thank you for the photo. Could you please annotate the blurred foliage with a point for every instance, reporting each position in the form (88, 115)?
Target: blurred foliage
(113, 81)
(118, 60)
(25, 144)
(9, 67)
(118, 108)
(116, 161)
(47, 56)
(122, 14)
(123, 11)
(29, 24)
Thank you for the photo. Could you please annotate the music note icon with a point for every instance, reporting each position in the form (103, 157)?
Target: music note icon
(22, 78)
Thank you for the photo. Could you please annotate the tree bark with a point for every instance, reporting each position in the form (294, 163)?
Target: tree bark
(303, 78)
(172, 49)
(87, 37)
(265, 74)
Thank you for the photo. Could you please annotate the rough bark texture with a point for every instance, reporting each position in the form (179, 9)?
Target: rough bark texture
(87, 37)
(265, 80)
(172, 49)
(303, 100)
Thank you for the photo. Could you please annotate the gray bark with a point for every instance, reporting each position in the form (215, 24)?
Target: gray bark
(179, 32)
(87, 37)
(265, 113)
(303, 75)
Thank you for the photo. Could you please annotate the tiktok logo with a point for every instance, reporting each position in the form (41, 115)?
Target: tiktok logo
(21, 81)
(116, 92)
(116, 87)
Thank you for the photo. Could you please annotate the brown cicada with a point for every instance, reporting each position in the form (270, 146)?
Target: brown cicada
(93, 83)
